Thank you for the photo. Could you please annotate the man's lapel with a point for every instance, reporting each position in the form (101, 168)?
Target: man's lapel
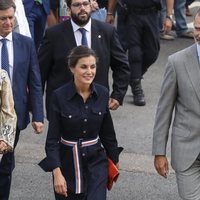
(96, 36)
(16, 53)
(193, 68)
(68, 35)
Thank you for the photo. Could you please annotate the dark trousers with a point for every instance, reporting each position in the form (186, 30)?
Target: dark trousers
(7, 165)
(122, 17)
(37, 21)
(139, 34)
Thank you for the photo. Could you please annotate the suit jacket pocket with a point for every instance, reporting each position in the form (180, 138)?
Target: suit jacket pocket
(180, 132)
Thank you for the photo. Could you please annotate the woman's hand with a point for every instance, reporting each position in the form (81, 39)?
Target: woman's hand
(59, 182)
(3, 146)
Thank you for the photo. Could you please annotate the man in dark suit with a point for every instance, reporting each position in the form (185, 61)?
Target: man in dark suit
(139, 33)
(24, 74)
(102, 37)
(36, 13)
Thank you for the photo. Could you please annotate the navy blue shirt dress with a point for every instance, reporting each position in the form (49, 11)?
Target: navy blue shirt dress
(80, 138)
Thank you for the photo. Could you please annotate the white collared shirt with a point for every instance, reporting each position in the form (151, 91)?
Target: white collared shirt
(78, 35)
(10, 53)
(198, 52)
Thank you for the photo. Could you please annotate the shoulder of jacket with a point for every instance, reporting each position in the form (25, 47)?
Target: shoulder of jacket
(102, 25)
(101, 89)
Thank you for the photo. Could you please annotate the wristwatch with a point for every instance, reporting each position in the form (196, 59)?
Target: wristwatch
(169, 17)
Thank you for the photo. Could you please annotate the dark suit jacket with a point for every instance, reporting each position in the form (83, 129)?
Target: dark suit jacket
(58, 42)
(27, 89)
(28, 4)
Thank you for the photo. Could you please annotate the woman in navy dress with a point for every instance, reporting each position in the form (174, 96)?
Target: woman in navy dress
(81, 135)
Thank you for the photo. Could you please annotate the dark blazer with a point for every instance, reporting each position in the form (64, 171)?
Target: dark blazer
(26, 84)
(58, 42)
(28, 4)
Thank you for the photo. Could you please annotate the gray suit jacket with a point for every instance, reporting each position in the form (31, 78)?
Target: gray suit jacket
(180, 92)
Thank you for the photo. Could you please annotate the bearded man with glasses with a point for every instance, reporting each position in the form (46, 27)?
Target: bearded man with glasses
(79, 30)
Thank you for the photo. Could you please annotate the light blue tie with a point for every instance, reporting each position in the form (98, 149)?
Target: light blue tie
(4, 56)
(84, 39)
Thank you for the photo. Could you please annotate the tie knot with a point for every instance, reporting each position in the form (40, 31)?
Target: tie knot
(3, 41)
(82, 30)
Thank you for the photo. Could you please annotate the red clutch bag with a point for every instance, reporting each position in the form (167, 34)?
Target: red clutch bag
(113, 174)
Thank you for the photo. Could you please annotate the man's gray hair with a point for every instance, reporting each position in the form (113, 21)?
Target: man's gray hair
(5, 4)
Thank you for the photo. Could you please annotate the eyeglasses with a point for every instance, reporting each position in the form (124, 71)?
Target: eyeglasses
(79, 5)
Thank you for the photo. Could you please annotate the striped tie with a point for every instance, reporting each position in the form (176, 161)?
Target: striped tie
(4, 57)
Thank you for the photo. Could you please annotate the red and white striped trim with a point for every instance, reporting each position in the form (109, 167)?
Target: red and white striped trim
(76, 158)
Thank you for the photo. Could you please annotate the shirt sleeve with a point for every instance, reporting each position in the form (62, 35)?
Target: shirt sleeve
(108, 138)
(52, 146)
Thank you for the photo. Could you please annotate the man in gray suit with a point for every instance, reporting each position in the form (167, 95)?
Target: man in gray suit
(180, 92)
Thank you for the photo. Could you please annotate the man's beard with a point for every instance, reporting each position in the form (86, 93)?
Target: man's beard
(80, 21)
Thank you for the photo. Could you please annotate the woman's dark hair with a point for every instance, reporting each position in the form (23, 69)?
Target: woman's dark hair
(78, 53)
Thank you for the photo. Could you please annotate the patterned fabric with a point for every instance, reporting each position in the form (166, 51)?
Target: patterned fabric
(8, 118)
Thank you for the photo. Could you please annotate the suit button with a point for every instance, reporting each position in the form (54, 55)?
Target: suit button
(85, 120)
(83, 154)
(84, 131)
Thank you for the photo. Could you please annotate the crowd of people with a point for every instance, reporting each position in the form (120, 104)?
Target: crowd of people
(67, 58)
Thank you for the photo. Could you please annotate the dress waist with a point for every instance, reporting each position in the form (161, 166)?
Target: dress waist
(80, 142)
(76, 146)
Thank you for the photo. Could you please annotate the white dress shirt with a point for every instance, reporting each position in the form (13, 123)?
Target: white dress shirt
(9, 44)
(78, 35)
(198, 52)
(22, 26)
